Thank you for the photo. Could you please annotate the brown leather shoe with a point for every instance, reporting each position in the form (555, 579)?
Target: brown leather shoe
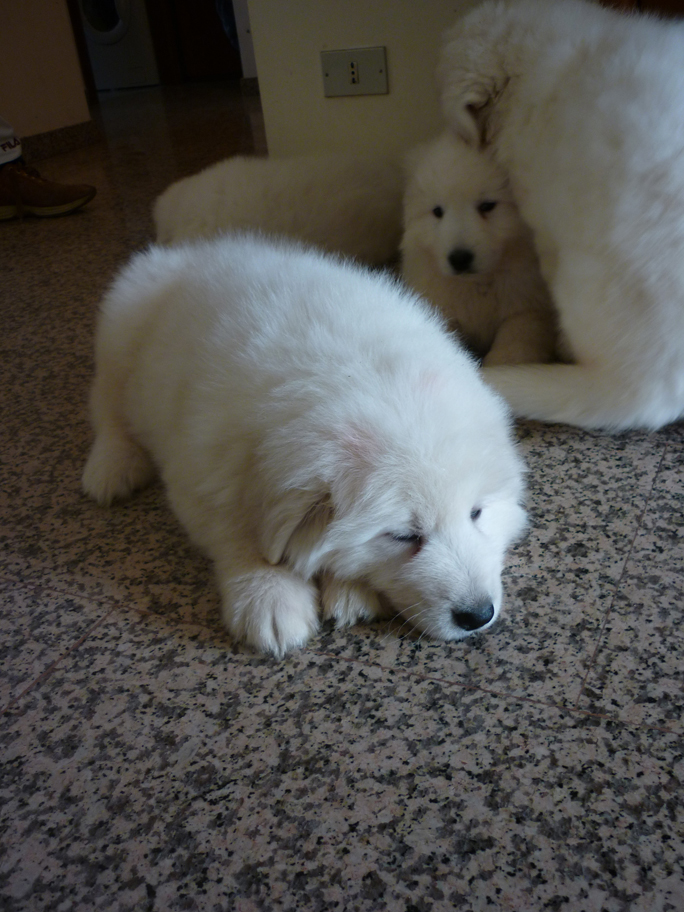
(24, 192)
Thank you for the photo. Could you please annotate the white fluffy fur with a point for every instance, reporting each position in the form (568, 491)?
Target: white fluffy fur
(584, 109)
(315, 426)
(498, 302)
(343, 204)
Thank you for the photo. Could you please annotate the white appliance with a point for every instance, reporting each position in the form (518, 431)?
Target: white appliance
(119, 43)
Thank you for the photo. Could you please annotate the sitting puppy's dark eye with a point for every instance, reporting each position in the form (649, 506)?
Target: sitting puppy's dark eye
(476, 513)
(486, 206)
(438, 212)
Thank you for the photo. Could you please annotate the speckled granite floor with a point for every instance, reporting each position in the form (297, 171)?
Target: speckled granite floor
(147, 764)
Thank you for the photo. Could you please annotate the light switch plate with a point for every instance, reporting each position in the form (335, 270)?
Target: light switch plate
(354, 71)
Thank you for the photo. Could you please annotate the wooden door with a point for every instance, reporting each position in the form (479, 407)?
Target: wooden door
(667, 7)
(664, 7)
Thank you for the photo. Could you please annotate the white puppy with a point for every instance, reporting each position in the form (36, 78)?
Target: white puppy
(341, 203)
(313, 424)
(467, 250)
(584, 109)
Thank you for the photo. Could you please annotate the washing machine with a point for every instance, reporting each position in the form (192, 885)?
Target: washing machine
(119, 43)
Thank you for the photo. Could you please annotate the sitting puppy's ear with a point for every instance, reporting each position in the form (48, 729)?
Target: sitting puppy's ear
(293, 526)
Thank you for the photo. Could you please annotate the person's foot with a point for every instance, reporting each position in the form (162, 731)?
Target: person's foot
(24, 192)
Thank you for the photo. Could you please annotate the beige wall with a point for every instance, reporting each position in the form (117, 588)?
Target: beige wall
(41, 87)
(288, 38)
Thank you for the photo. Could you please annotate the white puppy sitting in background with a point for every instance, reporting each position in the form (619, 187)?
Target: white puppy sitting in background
(466, 248)
(584, 109)
(340, 203)
(315, 426)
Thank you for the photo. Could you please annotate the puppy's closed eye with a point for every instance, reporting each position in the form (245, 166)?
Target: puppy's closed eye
(413, 540)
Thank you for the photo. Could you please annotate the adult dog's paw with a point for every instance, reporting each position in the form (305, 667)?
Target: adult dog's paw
(116, 466)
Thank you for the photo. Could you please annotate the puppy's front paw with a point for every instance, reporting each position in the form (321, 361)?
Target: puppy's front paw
(347, 603)
(270, 609)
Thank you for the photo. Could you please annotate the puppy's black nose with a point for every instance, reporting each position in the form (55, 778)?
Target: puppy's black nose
(461, 260)
(473, 618)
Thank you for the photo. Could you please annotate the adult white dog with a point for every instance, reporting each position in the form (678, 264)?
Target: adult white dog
(341, 203)
(584, 109)
(466, 248)
(315, 426)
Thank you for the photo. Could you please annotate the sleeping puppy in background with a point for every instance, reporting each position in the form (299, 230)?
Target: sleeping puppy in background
(466, 248)
(320, 436)
(344, 204)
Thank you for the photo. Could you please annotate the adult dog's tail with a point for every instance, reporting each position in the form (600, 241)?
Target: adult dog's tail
(587, 397)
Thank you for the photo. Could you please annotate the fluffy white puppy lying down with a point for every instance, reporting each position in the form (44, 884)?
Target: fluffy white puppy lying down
(316, 429)
(466, 248)
(341, 203)
(584, 109)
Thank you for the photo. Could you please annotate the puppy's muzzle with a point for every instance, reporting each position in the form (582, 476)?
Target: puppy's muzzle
(461, 260)
(474, 618)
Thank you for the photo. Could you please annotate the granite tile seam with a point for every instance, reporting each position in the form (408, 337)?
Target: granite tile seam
(567, 709)
(116, 611)
(111, 617)
(52, 666)
(606, 617)
(109, 603)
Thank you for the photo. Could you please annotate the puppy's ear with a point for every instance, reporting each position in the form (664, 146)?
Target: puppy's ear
(293, 525)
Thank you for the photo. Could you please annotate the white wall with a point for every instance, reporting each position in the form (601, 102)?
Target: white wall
(288, 37)
(41, 87)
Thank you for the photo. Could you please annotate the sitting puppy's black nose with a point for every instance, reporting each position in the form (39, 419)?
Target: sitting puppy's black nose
(461, 260)
(473, 618)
